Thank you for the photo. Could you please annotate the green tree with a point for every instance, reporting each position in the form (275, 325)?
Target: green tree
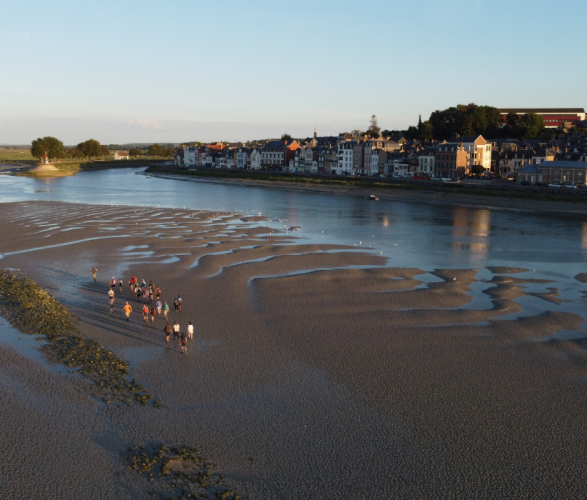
(411, 133)
(512, 119)
(168, 152)
(105, 150)
(466, 119)
(73, 153)
(135, 152)
(47, 146)
(532, 124)
(156, 150)
(374, 129)
(477, 169)
(420, 125)
(89, 149)
(427, 132)
(446, 123)
(286, 137)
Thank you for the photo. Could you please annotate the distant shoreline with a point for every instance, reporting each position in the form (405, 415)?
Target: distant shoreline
(64, 169)
(393, 192)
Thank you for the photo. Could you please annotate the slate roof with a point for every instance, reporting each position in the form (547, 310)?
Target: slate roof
(530, 169)
(466, 138)
(563, 164)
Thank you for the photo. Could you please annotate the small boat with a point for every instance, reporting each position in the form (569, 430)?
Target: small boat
(373, 198)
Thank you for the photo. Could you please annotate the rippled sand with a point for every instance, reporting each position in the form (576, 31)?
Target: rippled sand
(339, 375)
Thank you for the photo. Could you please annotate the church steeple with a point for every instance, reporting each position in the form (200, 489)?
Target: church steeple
(315, 132)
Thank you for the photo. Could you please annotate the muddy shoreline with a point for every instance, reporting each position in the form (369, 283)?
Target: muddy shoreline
(315, 370)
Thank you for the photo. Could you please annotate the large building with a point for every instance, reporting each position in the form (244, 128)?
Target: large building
(553, 117)
(558, 172)
(276, 155)
(450, 160)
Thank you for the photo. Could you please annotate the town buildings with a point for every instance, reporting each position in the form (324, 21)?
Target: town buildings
(348, 154)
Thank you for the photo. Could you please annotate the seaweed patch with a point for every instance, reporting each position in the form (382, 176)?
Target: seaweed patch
(34, 311)
(179, 472)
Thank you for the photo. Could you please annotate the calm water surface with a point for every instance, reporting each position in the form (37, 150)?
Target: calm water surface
(412, 234)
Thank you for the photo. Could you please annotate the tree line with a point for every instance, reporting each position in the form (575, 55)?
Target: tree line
(471, 119)
(54, 149)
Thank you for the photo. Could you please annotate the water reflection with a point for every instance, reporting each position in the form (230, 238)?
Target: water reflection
(471, 232)
(411, 233)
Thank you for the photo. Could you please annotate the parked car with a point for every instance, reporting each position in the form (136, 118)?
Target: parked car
(524, 183)
(570, 186)
(446, 179)
(540, 184)
(553, 185)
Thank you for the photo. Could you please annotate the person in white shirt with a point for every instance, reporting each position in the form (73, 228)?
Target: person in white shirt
(190, 331)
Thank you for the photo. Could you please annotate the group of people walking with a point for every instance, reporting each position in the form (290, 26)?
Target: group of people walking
(180, 336)
(149, 296)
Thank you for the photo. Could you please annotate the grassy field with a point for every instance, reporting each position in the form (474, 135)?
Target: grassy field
(15, 154)
(24, 154)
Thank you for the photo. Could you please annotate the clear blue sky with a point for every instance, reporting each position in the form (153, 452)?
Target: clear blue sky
(122, 71)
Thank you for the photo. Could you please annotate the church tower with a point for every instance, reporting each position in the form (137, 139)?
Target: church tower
(315, 132)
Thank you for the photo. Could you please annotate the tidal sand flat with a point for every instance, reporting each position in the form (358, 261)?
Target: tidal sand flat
(316, 371)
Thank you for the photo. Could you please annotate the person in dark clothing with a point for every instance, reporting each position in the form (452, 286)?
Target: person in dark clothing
(183, 343)
(167, 331)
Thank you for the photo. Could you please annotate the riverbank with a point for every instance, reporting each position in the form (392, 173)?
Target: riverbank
(67, 168)
(387, 191)
(316, 370)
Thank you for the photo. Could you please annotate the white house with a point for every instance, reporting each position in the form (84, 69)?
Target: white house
(121, 155)
(426, 163)
(256, 159)
(345, 157)
(399, 169)
(241, 158)
(190, 155)
(478, 151)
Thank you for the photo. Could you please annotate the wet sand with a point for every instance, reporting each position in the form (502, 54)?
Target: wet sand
(339, 375)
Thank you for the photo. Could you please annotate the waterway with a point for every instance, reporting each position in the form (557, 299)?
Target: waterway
(410, 233)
